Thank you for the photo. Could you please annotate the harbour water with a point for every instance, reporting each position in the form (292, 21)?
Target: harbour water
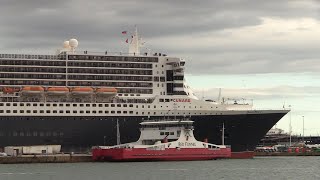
(257, 168)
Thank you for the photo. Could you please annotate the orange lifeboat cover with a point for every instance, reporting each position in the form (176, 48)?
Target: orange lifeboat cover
(82, 89)
(33, 88)
(10, 90)
(59, 89)
(114, 90)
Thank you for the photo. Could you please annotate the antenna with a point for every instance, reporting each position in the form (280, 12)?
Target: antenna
(118, 133)
(219, 95)
(222, 133)
(290, 127)
(134, 47)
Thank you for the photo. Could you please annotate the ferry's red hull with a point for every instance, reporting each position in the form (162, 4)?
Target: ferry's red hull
(242, 155)
(142, 154)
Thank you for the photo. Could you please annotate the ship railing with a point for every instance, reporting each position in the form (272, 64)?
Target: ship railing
(215, 147)
(162, 120)
(113, 53)
(32, 56)
(263, 109)
(236, 101)
(105, 53)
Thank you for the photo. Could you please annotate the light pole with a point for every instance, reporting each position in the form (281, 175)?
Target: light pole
(290, 128)
(303, 129)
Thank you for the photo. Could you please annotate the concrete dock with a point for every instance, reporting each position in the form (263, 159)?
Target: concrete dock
(57, 158)
(286, 154)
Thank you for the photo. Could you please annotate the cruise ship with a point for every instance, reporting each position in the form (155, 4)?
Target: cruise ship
(75, 99)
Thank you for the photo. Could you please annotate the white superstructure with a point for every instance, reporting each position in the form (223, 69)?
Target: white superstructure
(145, 85)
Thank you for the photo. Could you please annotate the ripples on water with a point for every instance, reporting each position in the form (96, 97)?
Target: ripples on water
(258, 168)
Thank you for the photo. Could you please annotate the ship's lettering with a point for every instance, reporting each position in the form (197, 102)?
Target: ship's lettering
(181, 100)
(187, 144)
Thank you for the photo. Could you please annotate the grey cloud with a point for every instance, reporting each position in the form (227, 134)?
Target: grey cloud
(45, 24)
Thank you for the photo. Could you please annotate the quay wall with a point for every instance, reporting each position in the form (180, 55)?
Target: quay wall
(66, 158)
(286, 154)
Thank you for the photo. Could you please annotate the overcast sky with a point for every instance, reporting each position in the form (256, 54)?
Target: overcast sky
(262, 49)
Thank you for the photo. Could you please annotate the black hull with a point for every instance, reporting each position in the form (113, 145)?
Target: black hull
(242, 132)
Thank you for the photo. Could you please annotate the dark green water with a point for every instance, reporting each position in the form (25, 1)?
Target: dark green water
(302, 168)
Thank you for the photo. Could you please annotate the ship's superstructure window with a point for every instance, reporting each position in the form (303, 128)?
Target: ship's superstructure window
(127, 74)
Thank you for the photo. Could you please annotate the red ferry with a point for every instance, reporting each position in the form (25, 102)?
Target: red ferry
(164, 140)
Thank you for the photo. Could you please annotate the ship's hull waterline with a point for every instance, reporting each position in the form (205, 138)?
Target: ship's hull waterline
(79, 134)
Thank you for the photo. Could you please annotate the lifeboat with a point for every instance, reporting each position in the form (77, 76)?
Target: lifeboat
(33, 90)
(106, 91)
(82, 91)
(58, 90)
(10, 90)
